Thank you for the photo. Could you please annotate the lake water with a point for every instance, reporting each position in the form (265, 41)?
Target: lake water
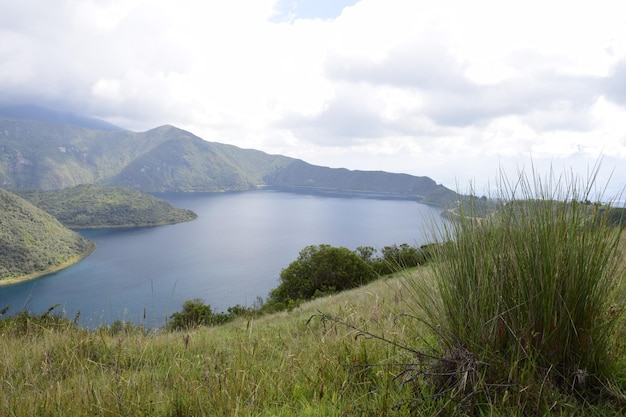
(231, 254)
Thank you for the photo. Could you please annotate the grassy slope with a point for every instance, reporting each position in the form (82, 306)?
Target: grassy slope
(274, 365)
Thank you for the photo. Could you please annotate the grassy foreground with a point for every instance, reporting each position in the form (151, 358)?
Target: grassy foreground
(276, 365)
(273, 365)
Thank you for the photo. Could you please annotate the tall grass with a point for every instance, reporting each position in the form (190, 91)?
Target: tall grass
(275, 365)
(525, 300)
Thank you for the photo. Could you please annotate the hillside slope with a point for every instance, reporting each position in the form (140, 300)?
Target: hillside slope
(93, 206)
(47, 156)
(33, 242)
(181, 161)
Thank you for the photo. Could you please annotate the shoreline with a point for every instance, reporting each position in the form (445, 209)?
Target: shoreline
(127, 226)
(51, 270)
(131, 225)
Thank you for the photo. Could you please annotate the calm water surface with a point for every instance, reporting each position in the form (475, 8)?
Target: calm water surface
(232, 254)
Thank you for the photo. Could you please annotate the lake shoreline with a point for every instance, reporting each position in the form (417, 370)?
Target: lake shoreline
(51, 270)
(191, 218)
(126, 226)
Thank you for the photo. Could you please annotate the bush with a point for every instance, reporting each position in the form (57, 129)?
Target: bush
(526, 298)
(195, 313)
(27, 323)
(320, 270)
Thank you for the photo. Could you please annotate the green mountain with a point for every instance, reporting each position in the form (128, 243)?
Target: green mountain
(52, 156)
(93, 206)
(180, 161)
(33, 242)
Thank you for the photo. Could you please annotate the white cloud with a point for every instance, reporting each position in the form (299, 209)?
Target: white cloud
(449, 89)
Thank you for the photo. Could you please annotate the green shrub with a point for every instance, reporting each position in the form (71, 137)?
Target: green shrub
(320, 270)
(525, 299)
(26, 323)
(398, 257)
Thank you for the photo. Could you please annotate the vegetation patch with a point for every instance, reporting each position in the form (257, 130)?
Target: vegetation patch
(324, 269)
(196, 313)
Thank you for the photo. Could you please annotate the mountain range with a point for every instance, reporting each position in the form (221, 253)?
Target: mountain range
(48, 153)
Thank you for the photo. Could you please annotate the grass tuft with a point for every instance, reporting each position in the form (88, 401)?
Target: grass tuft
(525, 300)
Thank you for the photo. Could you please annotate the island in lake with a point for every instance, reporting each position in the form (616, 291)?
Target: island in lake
(35, 234)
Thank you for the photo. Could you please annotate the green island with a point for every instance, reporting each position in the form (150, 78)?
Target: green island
(91, 206)
(515, 312)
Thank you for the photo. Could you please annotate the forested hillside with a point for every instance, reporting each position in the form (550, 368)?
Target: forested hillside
(33, 242)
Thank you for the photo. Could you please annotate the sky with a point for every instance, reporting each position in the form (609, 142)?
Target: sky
(455, 90)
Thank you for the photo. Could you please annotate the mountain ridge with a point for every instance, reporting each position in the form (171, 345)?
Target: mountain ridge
(49, 156)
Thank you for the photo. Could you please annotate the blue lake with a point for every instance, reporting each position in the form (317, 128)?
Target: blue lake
(231, 254)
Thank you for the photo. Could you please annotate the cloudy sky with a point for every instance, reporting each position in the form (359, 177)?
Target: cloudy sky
(453, 90)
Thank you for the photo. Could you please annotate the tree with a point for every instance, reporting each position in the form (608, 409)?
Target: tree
(320, 270)
(366, 253)
(397, 257)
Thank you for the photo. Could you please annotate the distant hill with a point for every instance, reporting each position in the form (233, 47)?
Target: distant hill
(300, 174)
(93, 206)
(48, 156)
(33, 242)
